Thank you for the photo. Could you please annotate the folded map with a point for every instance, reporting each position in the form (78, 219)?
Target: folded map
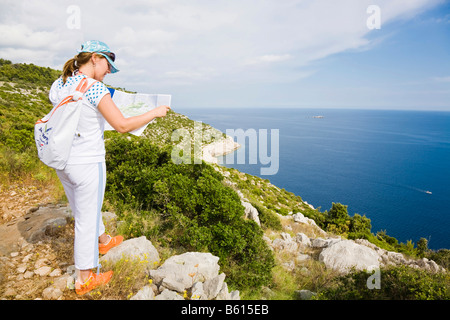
(133, 104)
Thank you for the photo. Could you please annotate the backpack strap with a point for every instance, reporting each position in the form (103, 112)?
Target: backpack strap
(81, 89)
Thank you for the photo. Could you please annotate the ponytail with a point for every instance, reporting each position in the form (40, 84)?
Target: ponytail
(74, 64)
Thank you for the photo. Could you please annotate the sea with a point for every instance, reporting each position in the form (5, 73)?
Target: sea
(391, 166)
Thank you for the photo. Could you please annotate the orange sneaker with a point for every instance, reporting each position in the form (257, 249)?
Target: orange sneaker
(113, 242)
(94, 281)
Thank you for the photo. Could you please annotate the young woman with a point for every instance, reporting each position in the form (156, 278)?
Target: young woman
(84, 176)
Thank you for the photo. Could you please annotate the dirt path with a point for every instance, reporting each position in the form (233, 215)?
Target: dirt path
(30, 260)
(16, 201)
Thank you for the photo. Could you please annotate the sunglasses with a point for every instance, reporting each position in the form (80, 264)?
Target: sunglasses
(111, 55)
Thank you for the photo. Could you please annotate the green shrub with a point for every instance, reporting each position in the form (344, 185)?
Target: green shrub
(441, 257)
(396, 283)
(27, 73)
(184, 206)
(337, 220)
(268, 219)
(422, 247)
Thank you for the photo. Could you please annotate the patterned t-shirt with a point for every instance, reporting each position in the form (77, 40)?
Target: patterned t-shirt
(88, 145)
(94, 94)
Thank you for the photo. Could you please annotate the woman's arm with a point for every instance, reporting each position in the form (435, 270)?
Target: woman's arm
(115, 118)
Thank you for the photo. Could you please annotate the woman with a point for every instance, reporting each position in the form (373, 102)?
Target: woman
(84, 176)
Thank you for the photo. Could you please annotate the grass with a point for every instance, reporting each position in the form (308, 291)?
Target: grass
(129, 277)
(130, 273)
(307, 275)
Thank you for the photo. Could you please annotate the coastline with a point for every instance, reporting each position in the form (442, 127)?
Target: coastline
(219, 148)
(376, 145)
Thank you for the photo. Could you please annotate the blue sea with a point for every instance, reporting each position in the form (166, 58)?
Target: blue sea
(392, 166)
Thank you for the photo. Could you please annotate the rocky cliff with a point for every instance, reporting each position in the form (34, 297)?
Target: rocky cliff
(36, 247)
(37, 263)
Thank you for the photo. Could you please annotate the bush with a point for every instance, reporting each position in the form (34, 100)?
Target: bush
(422, 247)
(397, 283)
(185, 206)
(27, 73)
(268, 219)
(441, 257)
(337, 220)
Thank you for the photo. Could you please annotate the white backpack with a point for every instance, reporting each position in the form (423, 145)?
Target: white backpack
(55, 132)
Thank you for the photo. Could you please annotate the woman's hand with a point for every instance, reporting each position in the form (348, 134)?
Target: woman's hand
(161, 111)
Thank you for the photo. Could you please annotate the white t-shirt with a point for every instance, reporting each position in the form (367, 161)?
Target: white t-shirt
(88, 145)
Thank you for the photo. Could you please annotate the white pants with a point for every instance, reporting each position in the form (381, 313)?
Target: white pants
(84, 185)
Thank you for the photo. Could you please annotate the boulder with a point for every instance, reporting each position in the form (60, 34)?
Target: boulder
(191, 274)
(197, 292)
(173, 284)
(345, 254)
(139, 248)
(43, 222)
(146, 293)
(323, 243)
(300, 218)
(168, 295)
(213, 286)
(285, 243)
(43, 271)
(186, 269)
(302, 239)
(388, 258)
(218, 148)
(305, 294)
(251, 212)
(223, 293)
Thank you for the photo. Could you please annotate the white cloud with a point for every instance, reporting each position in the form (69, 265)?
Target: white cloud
(20, 43)
(21, 36)
(268, 58)
(172, 42)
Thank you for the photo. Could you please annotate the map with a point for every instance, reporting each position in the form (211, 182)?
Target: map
(134, 104)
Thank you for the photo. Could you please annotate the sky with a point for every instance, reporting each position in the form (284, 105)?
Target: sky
(374, 54)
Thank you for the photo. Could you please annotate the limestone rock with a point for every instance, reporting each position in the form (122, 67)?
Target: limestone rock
(197, 292)
(186, 269)
(173, 284)
(45, 221)
(43, 271)
(305, 294)
(223, 293)
(285, 243)
(213, 286)
(146, 293)
(169, 295)
(139, 248)
(218, 148)
(323, 243)
(251, 212)
(345, 254)
(302, 240)
(300, 218)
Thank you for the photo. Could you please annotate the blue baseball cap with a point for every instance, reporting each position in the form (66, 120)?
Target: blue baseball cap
(102, 49)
